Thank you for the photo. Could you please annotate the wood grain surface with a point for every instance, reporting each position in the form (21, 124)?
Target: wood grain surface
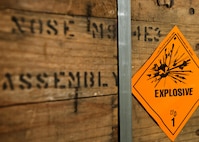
(58, 68)
(58, 78)
(151, 22)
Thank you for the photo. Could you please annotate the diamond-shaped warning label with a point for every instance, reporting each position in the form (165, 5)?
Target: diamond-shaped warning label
(167, 84)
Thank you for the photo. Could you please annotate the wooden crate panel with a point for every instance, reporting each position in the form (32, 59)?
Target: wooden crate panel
(151, 22)
(146, 130)
(47, 57)
(58, 61)
(70, 120)
(58, 78)
(146, 36)
(94, 8)
(166, 11)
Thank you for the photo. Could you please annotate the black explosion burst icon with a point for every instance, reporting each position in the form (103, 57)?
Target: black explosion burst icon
(172, 65)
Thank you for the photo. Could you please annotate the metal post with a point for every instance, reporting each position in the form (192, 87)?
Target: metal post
(124, 53)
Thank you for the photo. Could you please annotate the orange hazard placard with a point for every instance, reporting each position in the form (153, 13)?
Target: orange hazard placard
(167, 84)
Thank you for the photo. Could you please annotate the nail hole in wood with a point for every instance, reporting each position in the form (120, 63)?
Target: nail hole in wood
(197, 132)
(191, 11)
(197, 46)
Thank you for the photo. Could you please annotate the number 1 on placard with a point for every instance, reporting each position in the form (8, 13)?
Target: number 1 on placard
(173, 121)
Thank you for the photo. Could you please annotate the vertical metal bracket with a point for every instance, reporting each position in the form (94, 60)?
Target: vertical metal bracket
(124, 57)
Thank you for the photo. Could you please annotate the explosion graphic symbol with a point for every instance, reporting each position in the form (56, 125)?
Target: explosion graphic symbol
(172, 65)
(167, 83)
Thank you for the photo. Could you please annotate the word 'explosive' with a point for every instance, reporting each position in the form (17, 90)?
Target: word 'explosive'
(173, 92)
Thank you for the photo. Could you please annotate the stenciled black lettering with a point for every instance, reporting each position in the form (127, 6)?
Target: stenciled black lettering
(32, 26)
(42, 82)
(145, 34)
(62, 86)
(9, 82)
(52, 27)
(148, 33)
(92, 81)
(98, 30)
(57, 80)
(112, 31)
(99, 79)
(61, 80)
(116, 78)
(74, 80)
(25, 80)
(158, 33)
(43, 26)
(66, 28)
(18, 25)
(89, 13)
(85, 79)
(36, 25)
(137, 33)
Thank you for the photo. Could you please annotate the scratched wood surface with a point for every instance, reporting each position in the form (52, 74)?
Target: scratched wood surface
(57, 122)
(58, 78)
(52, 61)
(151, 22)
(58, 62)
(105, 8)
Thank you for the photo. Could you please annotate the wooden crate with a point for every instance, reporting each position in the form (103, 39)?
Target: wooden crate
(58, 75)
(58, 61)
(151, 22)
